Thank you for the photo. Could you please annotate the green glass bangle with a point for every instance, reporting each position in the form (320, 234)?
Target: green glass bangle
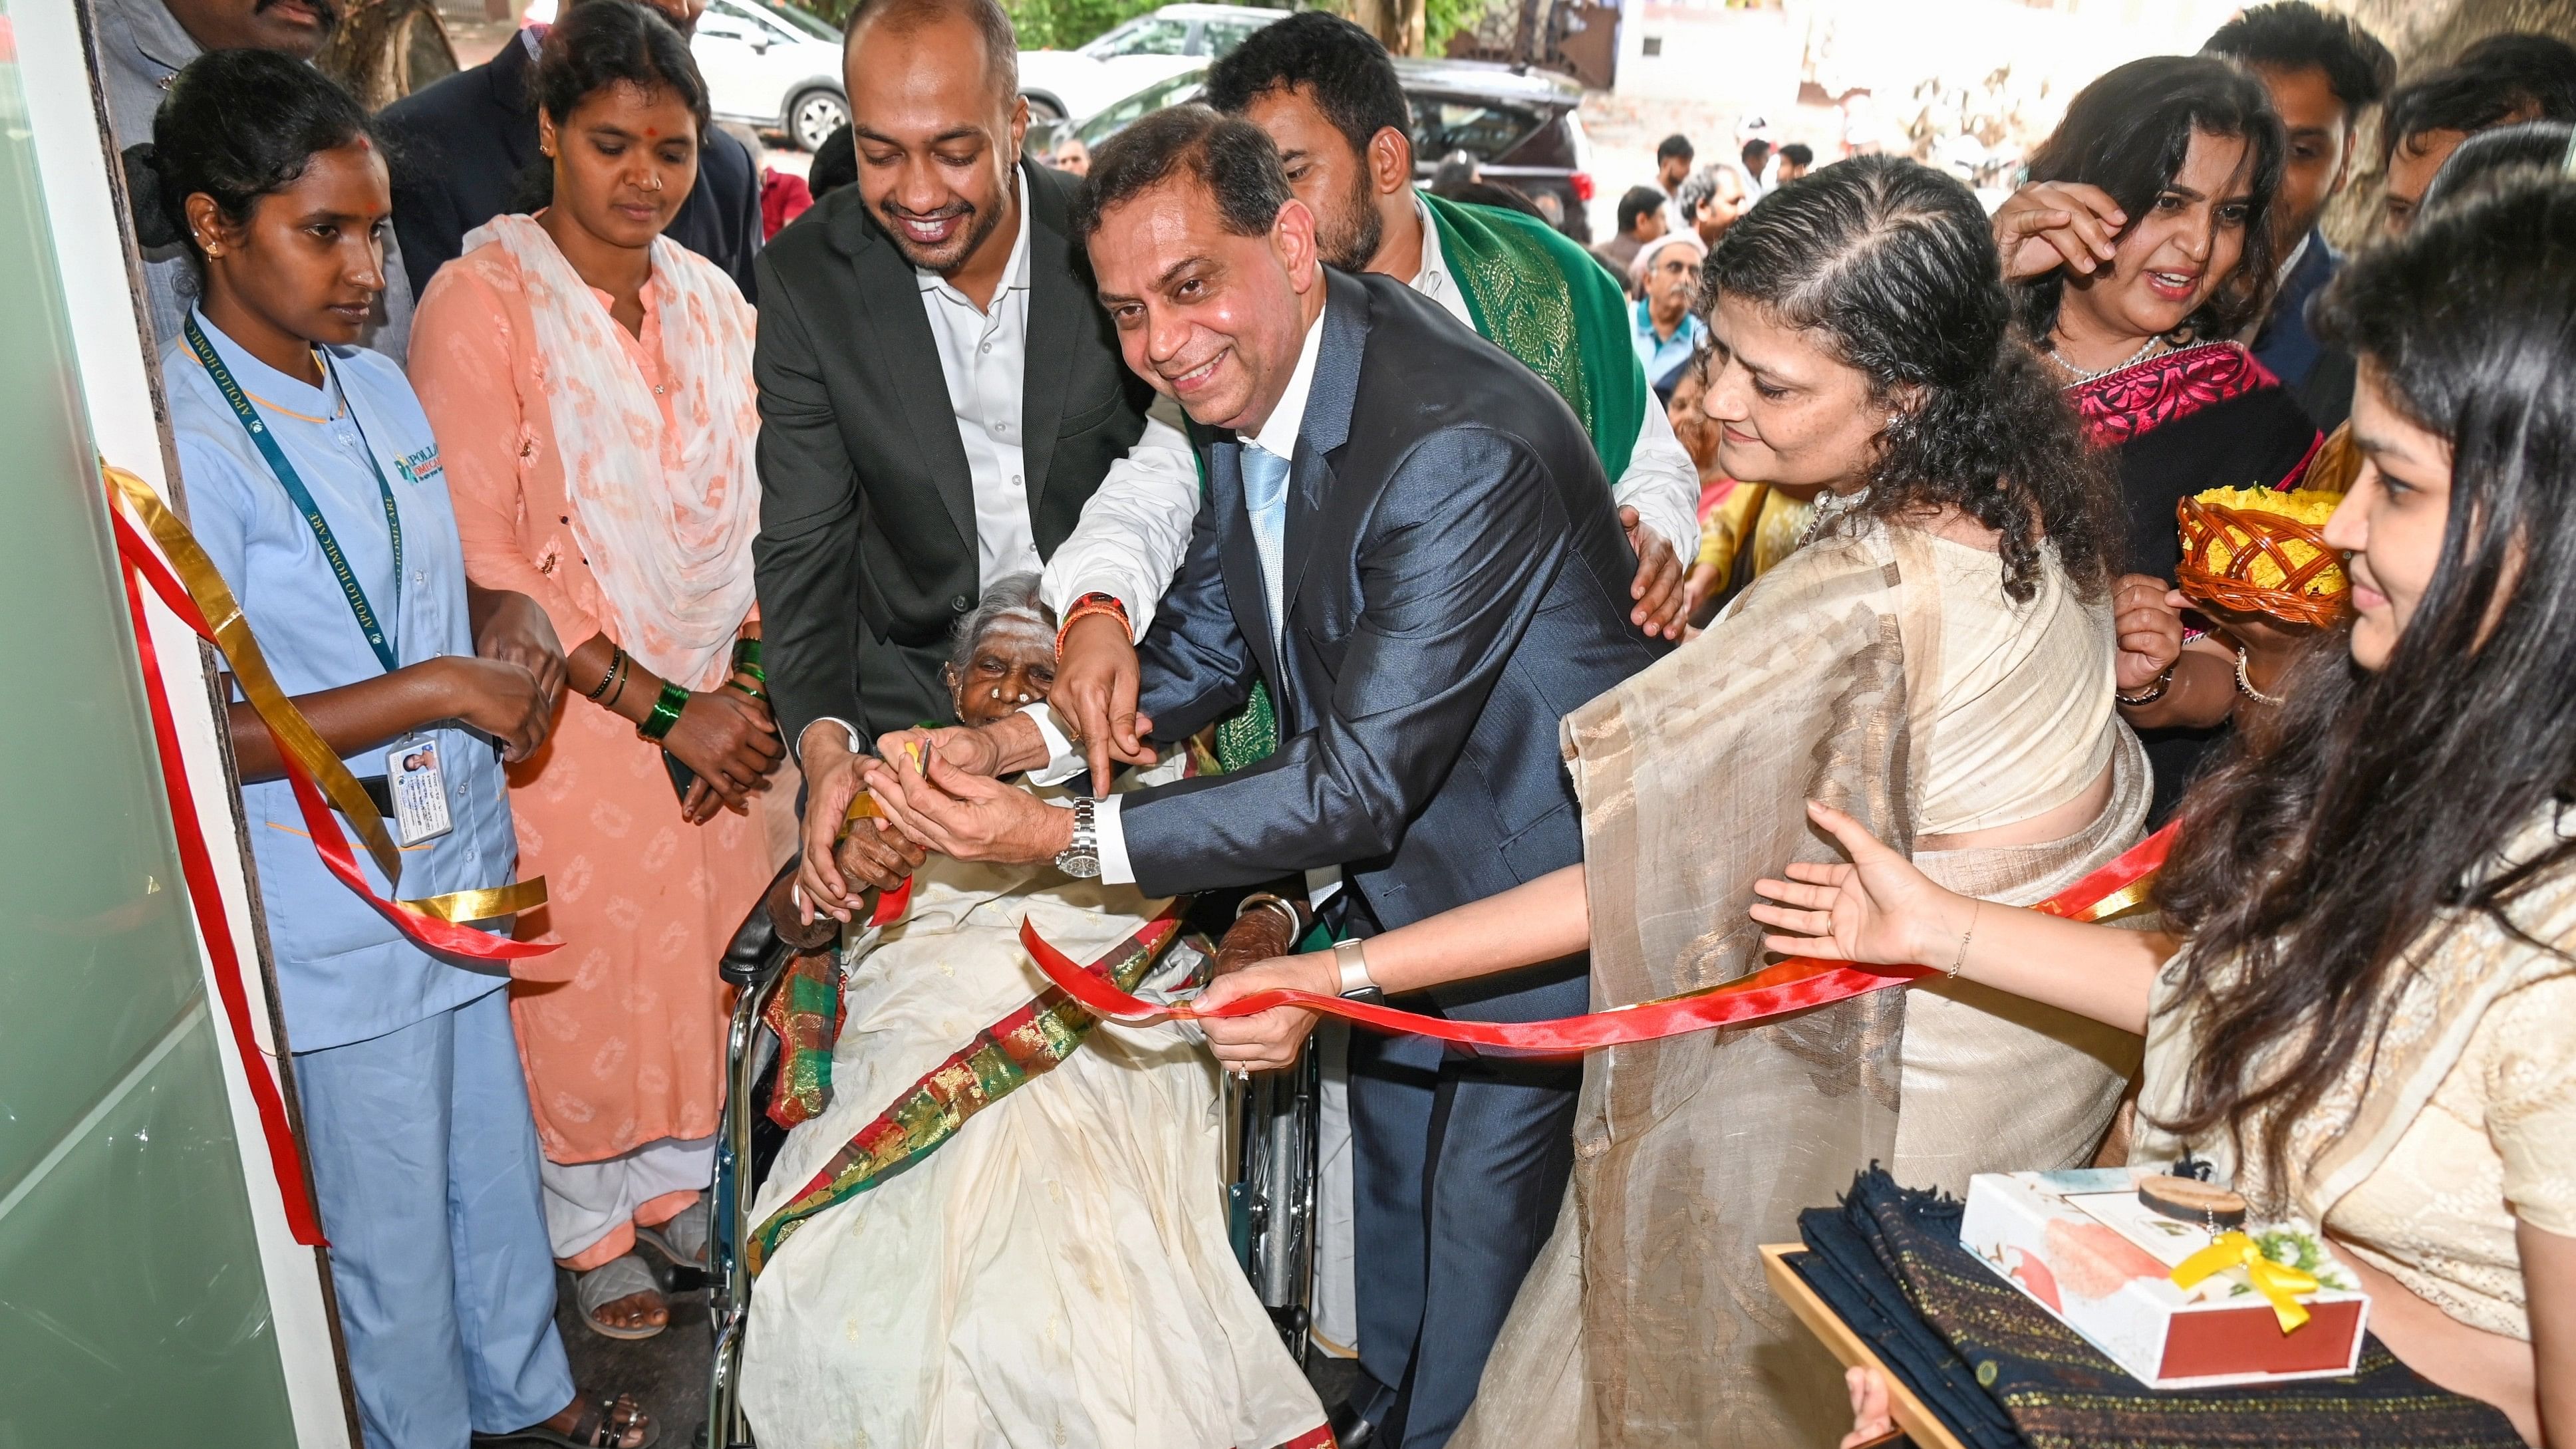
(666, 712)
(746, 657)
(753, 670)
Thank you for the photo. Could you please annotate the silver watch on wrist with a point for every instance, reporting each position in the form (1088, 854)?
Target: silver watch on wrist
(1081, 859)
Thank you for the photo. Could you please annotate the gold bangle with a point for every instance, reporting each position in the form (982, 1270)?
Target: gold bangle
(1961, 964)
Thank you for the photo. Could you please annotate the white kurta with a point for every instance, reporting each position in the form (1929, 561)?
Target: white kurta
(1057, 1273)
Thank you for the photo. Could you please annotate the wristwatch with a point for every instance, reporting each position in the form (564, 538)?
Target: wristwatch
(1351, 958)
(1081, 859)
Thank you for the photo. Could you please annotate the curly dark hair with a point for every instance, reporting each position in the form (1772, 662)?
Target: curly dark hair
(1893, 264)
(2312, 867)
(2511, 77)
(2128, 133)
(1226, 154)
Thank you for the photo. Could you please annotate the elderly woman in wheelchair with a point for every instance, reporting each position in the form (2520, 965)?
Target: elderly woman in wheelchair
(998, 1221)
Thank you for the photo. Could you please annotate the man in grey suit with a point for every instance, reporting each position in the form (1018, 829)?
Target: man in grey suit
(1409, 539)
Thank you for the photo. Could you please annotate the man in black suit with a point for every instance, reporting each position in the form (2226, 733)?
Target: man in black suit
(1409, 539)
(461, 148)
(939, 396)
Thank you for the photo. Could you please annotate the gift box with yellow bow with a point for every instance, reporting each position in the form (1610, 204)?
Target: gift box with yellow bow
(2178, 1304)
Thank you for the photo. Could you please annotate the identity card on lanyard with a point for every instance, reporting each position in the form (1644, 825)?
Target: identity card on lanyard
(415, 779)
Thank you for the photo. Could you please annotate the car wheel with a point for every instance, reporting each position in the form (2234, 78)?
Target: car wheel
(1043, 109)
(814, 116)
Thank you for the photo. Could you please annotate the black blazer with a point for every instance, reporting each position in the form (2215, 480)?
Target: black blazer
(867, 512)
(458, 149)
(1456, 583)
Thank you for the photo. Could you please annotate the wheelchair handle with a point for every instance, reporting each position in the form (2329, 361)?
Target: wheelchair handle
(772, 932)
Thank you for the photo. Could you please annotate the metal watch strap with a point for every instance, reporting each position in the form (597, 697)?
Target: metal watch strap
(1350, 957)
(1081, 859)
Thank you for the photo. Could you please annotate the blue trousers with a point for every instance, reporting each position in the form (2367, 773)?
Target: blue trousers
(425, 1161)
(1458, 1165)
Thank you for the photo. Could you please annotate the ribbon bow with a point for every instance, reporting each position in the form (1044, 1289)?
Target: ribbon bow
(2278, 1282)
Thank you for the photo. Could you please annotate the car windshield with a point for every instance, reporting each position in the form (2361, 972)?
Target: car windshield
(795, 19)
(1144, 35)
(1172, 92)
(1482, 129)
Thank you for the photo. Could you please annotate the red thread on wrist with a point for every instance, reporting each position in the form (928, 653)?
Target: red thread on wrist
(1087, 605)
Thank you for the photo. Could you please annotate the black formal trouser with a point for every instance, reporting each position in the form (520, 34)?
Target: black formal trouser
(1459, 1164)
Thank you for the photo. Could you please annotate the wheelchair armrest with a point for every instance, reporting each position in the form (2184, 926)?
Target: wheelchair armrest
(772, 932)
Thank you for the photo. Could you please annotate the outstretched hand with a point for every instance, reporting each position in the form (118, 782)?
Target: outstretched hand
(1878, 910)
(1663, 603)
(1096, 684)
(1266, 1041)
(967, 817)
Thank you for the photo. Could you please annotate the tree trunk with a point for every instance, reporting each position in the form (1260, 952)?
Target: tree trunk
(384, 50)
(1398, 24)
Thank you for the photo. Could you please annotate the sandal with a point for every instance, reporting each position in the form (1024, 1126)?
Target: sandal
(682, 1241)
(617, 1278)
(600, 1425)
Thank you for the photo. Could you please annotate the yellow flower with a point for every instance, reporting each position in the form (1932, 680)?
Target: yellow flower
(2311, 506)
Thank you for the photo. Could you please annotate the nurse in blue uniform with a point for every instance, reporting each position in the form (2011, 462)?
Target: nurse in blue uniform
(313, 482)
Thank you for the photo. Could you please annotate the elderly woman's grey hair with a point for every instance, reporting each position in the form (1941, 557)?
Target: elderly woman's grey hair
(1012, 595)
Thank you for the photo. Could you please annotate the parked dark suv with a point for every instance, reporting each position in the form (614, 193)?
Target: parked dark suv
(1519, 125)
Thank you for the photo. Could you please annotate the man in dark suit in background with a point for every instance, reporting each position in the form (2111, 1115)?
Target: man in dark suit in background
(939, 396)
(461, 148)
(1408, 538)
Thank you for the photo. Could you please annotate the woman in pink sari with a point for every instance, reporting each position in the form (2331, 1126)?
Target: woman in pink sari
(591, 383)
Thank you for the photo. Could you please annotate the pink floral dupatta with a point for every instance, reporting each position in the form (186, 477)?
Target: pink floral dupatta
(669, 545)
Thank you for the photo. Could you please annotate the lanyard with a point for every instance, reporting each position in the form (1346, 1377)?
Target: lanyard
(378, 637)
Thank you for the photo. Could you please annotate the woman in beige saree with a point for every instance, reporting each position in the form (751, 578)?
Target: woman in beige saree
(1939, 659)
(2366, 1022)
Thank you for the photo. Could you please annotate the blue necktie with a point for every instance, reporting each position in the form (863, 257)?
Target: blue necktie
(1265, 498)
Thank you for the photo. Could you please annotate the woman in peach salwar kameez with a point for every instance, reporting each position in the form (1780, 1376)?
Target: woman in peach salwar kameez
(590, 383)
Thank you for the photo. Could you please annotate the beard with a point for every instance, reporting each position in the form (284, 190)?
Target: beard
(951, 255)
(1348, 239)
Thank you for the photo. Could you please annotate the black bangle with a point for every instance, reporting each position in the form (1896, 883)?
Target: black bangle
(608, 676)
(2153, 692)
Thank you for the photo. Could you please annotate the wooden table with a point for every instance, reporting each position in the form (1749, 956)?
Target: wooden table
(1918, 1422)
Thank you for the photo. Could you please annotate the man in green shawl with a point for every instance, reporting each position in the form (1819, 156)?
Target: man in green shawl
(1329, 97)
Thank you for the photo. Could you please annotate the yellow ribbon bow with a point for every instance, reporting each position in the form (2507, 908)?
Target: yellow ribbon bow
(2278, 1282)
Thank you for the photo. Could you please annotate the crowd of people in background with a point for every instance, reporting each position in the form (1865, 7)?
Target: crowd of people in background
(692, 525)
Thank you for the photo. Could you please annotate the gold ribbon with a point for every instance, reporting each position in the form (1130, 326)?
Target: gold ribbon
(466, 907)
(293, 733)
(2280, 1283)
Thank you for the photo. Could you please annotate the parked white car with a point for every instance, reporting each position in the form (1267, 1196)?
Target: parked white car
(771, 67)
(1078, 84)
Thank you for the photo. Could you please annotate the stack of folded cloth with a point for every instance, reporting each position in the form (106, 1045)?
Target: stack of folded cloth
(2000, 1371)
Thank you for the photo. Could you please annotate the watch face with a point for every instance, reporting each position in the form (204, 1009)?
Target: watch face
(1081, 865)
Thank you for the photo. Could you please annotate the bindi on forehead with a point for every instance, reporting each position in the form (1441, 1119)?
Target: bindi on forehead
(652, 133)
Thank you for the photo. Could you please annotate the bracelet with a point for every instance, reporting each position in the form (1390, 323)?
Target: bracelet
(624, 662)
(2151, 693)
(1092, 604)
(666, 712)
(746, 658)
(616, 660)
(1961, 964)
(2245, 684)
(758, 694)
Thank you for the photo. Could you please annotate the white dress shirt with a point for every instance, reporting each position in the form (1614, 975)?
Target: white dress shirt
(1135, 531)
(1277, 435)
(983, 355)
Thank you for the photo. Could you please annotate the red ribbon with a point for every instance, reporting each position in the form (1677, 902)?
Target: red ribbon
(329, 842)
(1792, 985)
(206, 898)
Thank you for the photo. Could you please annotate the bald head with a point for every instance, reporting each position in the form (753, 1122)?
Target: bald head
(990, 24)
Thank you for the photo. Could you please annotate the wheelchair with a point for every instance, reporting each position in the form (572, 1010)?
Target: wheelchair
(1272, 1120)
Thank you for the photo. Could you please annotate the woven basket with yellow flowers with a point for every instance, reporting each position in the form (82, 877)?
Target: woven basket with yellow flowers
(2263, 551)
